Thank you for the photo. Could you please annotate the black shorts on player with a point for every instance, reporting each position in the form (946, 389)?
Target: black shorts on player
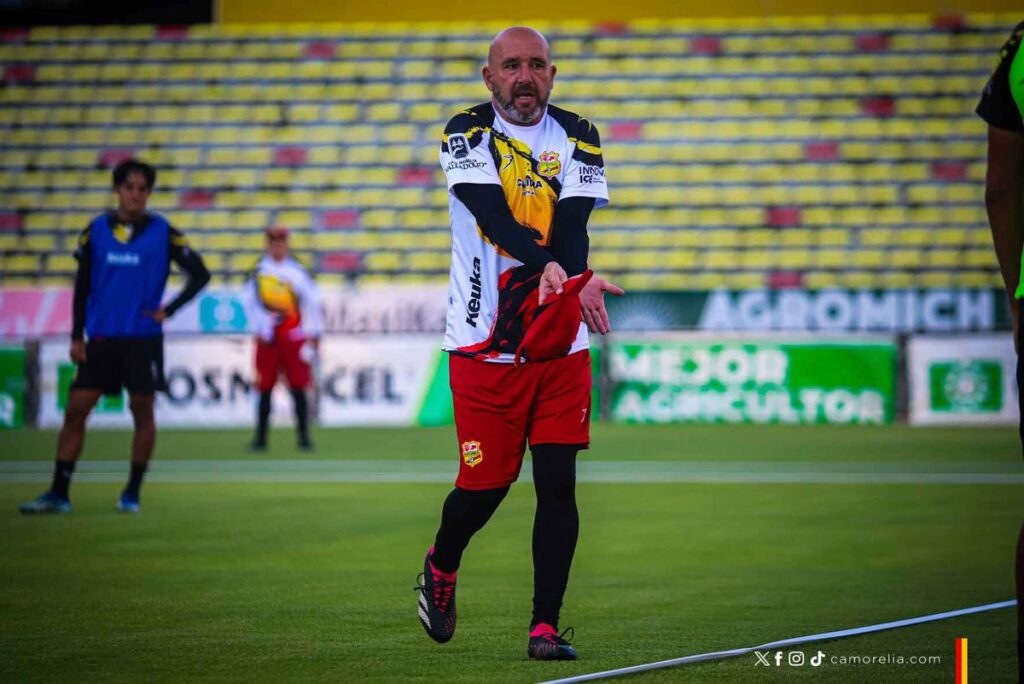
(135, 363)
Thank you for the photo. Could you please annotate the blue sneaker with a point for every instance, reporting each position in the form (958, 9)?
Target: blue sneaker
(47, 502)
(128, 503)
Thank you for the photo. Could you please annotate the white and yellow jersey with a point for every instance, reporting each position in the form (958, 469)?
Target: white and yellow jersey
(282, 294)
(535, 166)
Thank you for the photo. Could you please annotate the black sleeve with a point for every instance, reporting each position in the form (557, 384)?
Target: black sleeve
(192, 264)
(570, 244)
(489, 208)
(83, 254)
(997, 105)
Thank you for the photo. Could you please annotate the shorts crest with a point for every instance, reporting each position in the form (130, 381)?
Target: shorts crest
(472, 454)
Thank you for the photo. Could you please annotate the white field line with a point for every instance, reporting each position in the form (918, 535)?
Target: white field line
(783, 643)
(443, 471)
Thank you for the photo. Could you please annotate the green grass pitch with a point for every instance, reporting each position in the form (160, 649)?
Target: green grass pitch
(304, 580)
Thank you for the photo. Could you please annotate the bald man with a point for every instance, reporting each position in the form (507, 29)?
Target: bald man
(523, 178)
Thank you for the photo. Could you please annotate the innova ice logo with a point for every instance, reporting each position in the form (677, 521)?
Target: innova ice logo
(966, 386)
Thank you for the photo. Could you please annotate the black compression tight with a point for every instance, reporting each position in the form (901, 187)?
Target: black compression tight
(465, 512)
(556, 527)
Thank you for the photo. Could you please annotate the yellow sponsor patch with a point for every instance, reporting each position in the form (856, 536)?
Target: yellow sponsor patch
(472, 454)
(549, 164)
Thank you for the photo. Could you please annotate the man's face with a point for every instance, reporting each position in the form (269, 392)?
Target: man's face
(520, 75)
(277, 246)
(132, 195)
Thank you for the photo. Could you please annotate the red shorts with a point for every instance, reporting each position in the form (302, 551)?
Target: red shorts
(500, 406)
(284, 353)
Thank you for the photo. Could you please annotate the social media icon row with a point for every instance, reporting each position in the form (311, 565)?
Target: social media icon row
(793, 658)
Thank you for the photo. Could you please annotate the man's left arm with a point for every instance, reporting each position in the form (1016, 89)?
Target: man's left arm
(196, 273)
(570, 244)
(583, 189)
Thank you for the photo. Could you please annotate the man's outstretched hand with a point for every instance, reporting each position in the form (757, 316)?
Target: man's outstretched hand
(595, 315)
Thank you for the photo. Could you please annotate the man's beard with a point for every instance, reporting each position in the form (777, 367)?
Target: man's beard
(509, 108)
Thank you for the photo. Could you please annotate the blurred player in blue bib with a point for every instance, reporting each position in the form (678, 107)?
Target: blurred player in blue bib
(124, 259)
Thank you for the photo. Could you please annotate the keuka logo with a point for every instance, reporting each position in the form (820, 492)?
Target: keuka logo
(472, 454)
(473, 306)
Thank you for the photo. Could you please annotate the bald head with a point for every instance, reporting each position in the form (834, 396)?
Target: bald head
(519, 74)
(514, 36)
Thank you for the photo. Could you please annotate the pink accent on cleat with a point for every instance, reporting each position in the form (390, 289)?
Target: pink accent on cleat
(439, 574)
(542, 629)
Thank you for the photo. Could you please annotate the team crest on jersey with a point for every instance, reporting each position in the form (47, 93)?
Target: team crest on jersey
(472, 454)
(458, 146)
(550, 165)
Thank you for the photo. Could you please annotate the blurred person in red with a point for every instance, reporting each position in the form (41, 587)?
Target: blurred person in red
(284, 311)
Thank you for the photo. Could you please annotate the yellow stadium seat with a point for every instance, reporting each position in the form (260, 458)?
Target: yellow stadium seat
(383, 261)
(896, 279)
(936, 279)
(428, 261)
(856, 279)
(975, 279)
(949, 236)
(979, 236)
(943, 258)
(831, 258)
(980, 258)
(22, 263)
(38, 243)
(794, 258)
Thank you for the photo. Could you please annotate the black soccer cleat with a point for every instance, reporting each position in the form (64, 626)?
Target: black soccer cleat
(437, 601)
(547, 644)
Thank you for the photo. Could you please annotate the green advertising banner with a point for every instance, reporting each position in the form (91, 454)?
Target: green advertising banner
(12, 387)
(744, 381)
(974, 386)
(962, 380)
